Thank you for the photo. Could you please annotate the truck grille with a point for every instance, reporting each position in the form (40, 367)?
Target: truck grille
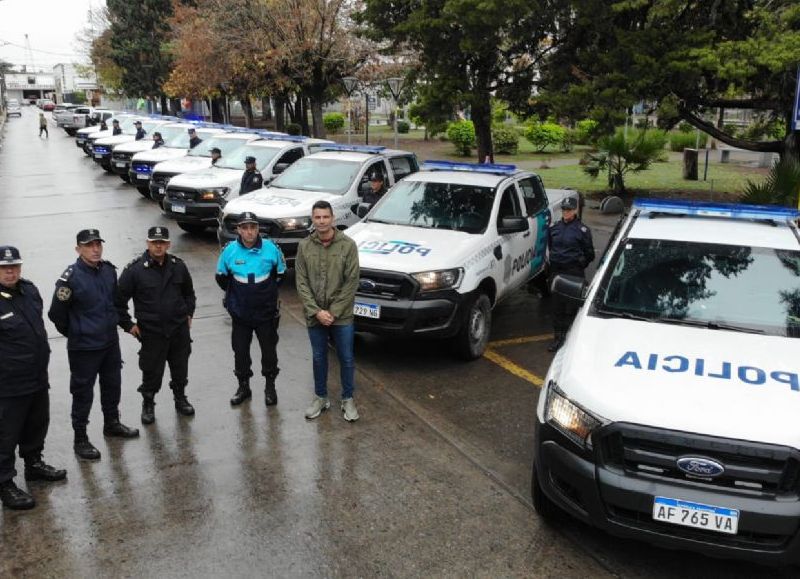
(117, 156)
(653, 453)
(161, 179)
(385, 284)
(181, 194)
(101, 149)
(142, 167)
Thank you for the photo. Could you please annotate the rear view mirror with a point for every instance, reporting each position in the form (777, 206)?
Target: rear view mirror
(512, 225)
(569, 286)
(364, 189)
(279, 168)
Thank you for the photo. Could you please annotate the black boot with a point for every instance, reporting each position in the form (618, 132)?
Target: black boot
(38, 469)
(148, 410)
(182, 403)
(113, 427)
(242, 393)
(558, 341)
(270, 396)
(14, 497)
(83, 448)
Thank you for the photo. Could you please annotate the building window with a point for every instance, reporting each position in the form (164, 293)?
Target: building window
(31, 80)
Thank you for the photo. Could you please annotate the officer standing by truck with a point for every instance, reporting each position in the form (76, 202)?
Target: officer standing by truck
(252, 180)
(249, 270)
(140, 132)
(194, 140)
(571, 252)
(24, 385)
(84, 310)
(164, 302)
(158, 140)
(216, 155)
(115, 128)
(377, 188)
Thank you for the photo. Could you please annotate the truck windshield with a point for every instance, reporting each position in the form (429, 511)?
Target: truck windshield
(699, 284)
(236, 159)
(437, 205)
(226, 146)
(310, 174)
(174, 135)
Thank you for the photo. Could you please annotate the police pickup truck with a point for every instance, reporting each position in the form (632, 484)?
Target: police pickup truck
(103, 148)
(446, 244)
(86, 136)
(671, 413)
(338, 174)
(194, 199)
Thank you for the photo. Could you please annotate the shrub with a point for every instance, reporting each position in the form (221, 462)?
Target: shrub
(569, 140)
(294, 129)
(505, 140)
(543, 135)
(618, 156)
(586, 132)
(678, 141)
(780, 187)
(333, 122)
(685, 127)
(403, 127)
(462, 135)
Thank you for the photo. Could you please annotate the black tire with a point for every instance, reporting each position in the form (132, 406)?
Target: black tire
(71, 132)
(125, 177)
(107, 168)
(473, 337)
(545, 508)
(192, 228)
(143, 191)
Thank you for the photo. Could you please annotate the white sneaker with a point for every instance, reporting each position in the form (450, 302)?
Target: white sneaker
(349, 410)
(318, 406)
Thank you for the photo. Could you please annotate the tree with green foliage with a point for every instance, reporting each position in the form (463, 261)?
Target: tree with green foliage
(688, 58)
(618, 155)
(470, 50)
(543, 135)
(780, 187)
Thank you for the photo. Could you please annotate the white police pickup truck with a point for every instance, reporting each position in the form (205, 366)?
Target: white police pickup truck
(446, 244)
(338, 174)
(671, 413)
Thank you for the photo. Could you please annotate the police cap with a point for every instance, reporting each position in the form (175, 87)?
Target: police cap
(569, 203)
(247, 217)
(137, 123)
(115, 122)
(88, 235)
(249, 159)
(216, 150)
(376, 176)
(158, 233)
(190, 130)
(9, 255)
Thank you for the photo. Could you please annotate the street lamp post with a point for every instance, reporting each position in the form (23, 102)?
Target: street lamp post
(395, 86)
(350, 83)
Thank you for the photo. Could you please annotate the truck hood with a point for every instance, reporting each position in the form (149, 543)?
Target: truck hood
(410, 249)
(714, 382)
(86, 131)
(273, 203)
(212, 177)
(160, 154)
(135, 146)
(115, 140)
(184, 164)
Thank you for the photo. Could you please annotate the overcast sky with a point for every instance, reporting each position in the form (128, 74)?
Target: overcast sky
(51, 26)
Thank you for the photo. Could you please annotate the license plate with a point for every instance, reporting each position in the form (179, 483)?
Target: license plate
(160, 190)
(98, 156)
(367, 310)
(178, 208)
(697, 515)
(81, 141)
(120, 164)
(140, 176)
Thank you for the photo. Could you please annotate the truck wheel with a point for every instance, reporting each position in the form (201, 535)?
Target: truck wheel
(107, 168)
(144, 191)
(192, 228)
(126, 178)
(545, 508)
(71, 132)
(473, 337)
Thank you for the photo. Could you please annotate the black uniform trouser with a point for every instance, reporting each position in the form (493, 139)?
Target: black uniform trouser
(43, 129)
(564, 309)
(241, 338)
(85, 367)
(23, 422)
(159, 350)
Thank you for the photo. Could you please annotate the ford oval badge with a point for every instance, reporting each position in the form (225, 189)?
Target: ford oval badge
(367, 285)
(699, 466)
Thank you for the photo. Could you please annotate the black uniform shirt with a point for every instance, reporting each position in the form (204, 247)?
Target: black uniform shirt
(251, 181)
(571, 244)
(194, 141)
(24, 350)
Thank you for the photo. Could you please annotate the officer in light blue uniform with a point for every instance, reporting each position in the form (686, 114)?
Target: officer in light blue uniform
(249, 270)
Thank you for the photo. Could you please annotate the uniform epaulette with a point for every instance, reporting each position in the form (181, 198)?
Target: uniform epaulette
(105, 261)
(133, 261)
(67, 272)
(175, 259)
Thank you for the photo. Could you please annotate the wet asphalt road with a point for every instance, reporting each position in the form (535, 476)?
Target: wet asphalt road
(432, 481)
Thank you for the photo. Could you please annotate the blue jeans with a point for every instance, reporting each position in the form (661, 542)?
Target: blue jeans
(343, 340)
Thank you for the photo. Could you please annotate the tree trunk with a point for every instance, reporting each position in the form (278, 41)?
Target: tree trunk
(791, 144)
(316, 118)
(164, 105)
(247, 108)
(266, 110)
(280, 114)
(175, 106)
(303, 115)
(482, 119)
(218, 110)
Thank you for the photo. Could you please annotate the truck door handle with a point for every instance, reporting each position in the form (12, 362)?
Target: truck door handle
(528, 234)
(498, 252)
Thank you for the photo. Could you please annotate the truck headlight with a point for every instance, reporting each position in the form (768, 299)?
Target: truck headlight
(213, 193)
(568, 418)
(439, 280)
(295, 223)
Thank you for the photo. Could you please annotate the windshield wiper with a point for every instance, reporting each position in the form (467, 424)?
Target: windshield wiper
(711, 325)
(626, 315)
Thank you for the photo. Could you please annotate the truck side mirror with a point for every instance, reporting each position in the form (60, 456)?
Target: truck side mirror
(569, 286)
(363, 209)
(279, 168)
(512, 225)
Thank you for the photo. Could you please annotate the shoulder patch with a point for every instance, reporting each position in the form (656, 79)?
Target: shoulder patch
(583, 228)
(66, 274)
(63, 293)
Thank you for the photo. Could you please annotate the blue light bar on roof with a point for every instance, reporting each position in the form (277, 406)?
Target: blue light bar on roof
(279, 137)
(490, 168)
(710, 209)
(353, 148)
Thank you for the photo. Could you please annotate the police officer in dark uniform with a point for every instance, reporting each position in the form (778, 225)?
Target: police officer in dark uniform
(377, 188)
(140, 132)
(249, 270)
(252, 179)
(115, 128)
(24, 385)
(194, 140)
(158, 140)
(571, 252)
(163, 301)
(84, 310)
(216, 155)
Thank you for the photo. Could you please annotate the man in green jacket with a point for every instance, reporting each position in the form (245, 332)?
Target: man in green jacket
(326, 276)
